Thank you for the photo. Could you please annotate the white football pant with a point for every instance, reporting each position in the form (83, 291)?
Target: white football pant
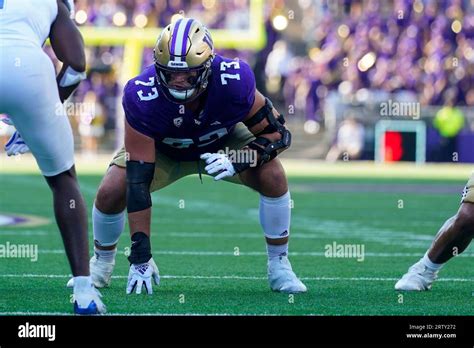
(29, 96)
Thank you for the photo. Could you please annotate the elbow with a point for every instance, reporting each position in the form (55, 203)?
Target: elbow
(80, 67)
(78, 63)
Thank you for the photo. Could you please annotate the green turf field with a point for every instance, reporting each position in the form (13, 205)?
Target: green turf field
(209, 247)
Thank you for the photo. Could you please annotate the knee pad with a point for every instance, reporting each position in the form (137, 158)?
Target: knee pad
(275, 214)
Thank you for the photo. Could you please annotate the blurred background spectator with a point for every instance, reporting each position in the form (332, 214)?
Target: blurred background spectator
(349, 141)
(91, 123)
(449, 121)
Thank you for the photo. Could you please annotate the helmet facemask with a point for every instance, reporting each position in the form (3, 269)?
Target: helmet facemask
(197, 81)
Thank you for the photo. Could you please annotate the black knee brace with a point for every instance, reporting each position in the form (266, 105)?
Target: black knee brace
(139, 178)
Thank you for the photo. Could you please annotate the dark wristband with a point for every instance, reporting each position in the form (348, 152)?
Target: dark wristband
(141, 248)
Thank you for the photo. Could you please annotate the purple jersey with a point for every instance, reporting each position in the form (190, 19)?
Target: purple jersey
(180, 133)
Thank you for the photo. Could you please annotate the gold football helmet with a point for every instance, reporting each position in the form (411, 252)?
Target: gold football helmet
(184, 46)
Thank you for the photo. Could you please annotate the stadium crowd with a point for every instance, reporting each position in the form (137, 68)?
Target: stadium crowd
(157, 13)
(424, 49)
(421, 48)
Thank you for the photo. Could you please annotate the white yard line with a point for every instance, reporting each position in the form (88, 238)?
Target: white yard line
(21, 233)
(154, 314)
(257, 253)
(235, 277)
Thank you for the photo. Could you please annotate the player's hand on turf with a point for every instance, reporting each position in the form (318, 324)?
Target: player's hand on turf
(16, 145)
(140, 275)
(218, 163)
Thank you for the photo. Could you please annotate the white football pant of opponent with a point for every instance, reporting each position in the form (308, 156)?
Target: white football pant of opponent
(30, 95)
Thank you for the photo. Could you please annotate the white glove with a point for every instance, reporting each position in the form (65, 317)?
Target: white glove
(218, 162)
(141, 274)
(16, 145)
(5, 119)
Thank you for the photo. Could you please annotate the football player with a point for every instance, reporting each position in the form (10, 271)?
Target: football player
(180, 112)
(32, 96)
(452, 239)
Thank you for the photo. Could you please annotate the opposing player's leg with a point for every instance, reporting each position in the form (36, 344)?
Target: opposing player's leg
(275, 212)
(32, 102)
(108, 222)
(71, 216)
(452, 239)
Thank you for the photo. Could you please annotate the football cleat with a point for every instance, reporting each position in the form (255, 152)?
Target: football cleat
(101, 273)
(141, 275)
(282, 278)
(87, 300)
(418, 278)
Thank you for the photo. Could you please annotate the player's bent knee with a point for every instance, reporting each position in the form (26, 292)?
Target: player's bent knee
(111, 196)
(108, 201)
(278, 177)
(272, 179)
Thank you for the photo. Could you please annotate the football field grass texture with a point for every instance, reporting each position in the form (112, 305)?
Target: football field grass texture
(208, 244)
